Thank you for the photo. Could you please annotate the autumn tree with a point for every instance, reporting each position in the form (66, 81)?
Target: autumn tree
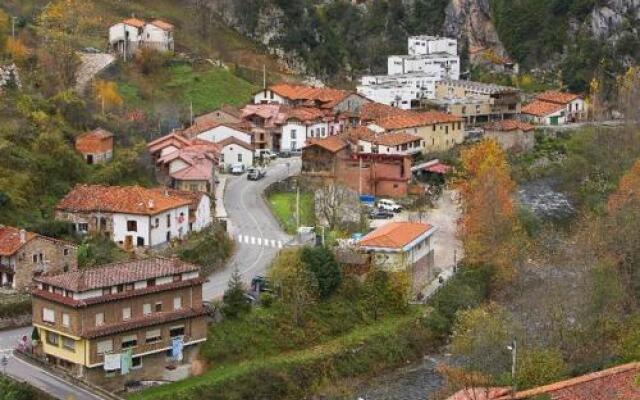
(4, 28)
(629, 94)
(16, 50)
(491, 233)
(107, 95)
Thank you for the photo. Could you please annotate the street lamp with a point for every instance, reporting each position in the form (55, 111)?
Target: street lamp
(513, 348)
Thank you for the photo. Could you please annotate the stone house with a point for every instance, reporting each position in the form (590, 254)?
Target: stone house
(511, 134)
(24, 255)
(121, 322)
(95, 146)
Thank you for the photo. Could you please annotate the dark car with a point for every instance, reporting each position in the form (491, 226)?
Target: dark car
(260, 284)
(381, 214)
(284, 154)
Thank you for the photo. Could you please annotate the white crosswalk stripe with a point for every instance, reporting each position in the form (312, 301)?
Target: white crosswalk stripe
(258, 241)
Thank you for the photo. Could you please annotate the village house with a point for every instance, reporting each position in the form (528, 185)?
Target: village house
(226, 114)
(131, 34)
(96, 146)
(190, 168)
(234, 151)
(215, 132)
(266, 124)
(24, 255)
(121, 322)
(167, 144)
(333, 160)
(301, 123)
(131, 216)
(369, 141)
(201, 206)
(511, 134)
(555, 108)
(619, 382)
(403, 247)
(476, 102)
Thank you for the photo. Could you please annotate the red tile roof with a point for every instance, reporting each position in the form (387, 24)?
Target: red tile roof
(306, 114)
(165, 26)
(193, 196)
(386, 139)
(96, 141)
(615, 383)
(554, 96)
(374, 111)
(331, 143)
(233, 140)
(173, 139)
(118, 199)
(304, 92)
(118, 274)
(542, 108)
(10, 241)
(138, 23)
(415, 119)
(395, 235)
(509, 125)
(273, 114)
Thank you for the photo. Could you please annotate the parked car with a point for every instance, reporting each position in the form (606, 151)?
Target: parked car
(296, 152)
(389, 205)
(255, 173)
(260, 284)
(380, 214)
(237, 169)
(265, 154)
(284, 154)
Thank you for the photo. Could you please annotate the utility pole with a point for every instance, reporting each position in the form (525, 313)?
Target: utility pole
(514, 358)
(297, 207)
(359, 175)
(13, 27)
(264, 76)
(191, 112)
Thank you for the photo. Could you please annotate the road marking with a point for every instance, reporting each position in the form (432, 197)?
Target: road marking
(253, 240)
(259, 241)
(279, 244)
(273, 243)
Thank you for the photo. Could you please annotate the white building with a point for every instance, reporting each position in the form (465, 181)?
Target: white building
(374, 140)
(402, 91)
(412, 78)
(129, 35)
(131, 216)
(304, 123)
(234, 151)
(420, 45)
(217, 134)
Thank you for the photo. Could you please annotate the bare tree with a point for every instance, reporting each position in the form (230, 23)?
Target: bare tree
(334, 202)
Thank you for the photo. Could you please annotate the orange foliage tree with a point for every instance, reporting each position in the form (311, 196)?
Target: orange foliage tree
(17, 50)
(490, 231)
(107, 94)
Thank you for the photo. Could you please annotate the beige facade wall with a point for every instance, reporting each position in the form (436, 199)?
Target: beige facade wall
(43, 255)
(438, 137)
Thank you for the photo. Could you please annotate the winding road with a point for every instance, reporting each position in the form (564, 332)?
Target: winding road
(257, 234)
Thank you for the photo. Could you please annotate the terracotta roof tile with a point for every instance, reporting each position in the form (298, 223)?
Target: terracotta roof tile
(306, 114)
(304, 92)
(118, 199)
(136, 22)
(117, 274)
(10, 241)
(557, 97)
(542, 108)
(374, 111)
(173, 139)
(331, 143)
(165, 26)
(509, 125)
(415, 119)
(234, 140)
(95, 142)
(394, 235)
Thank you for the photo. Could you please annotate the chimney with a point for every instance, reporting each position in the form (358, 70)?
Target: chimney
(151, 205)
(23, 236)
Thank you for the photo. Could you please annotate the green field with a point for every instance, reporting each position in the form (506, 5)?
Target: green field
(283, 205)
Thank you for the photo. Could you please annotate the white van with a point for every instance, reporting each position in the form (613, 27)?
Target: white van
(389, 205)
(265, 154)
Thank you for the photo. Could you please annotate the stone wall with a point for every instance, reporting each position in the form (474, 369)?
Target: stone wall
(58, 256)
(9, 76)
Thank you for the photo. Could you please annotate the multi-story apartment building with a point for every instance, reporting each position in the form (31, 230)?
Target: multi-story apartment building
(404, 91)
(121, 322)
(24, 255)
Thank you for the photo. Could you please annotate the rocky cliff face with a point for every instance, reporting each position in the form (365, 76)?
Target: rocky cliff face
(470, 22)
(615, 16)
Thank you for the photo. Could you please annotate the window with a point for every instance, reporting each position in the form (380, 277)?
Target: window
(48, 315)
(68, 343)
(136, 362)
(132, 226)
(446, 129)
(83, 227)
(52, 339)
(156, 223)
(105, 346)
(239, 157)
(153, 336)
(176, 331)
(65, 320)
(99, 319)
(151, 282)
(168, 221)
(177, 303)
(294, 134)
(129, 287)
(129, 341)
(35, 258)
(434, 128)
(158, 307)
(65, 252)
(126, 313)
(146, 309)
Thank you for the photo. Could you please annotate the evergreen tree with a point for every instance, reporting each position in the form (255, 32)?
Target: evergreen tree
(235, 303)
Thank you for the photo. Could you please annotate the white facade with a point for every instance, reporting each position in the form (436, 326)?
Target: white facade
(367, 147)
(222, 132)
(268, 96)
(122, 32)
(549, 119)
(420, 45)
(160, 39)
(295, 134)
(442, 65)
(145, 230)
(398, 90)
(203, 217)
(233, 153)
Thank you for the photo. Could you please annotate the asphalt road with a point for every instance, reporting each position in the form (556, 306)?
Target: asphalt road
(256, 232)
(35, 376)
